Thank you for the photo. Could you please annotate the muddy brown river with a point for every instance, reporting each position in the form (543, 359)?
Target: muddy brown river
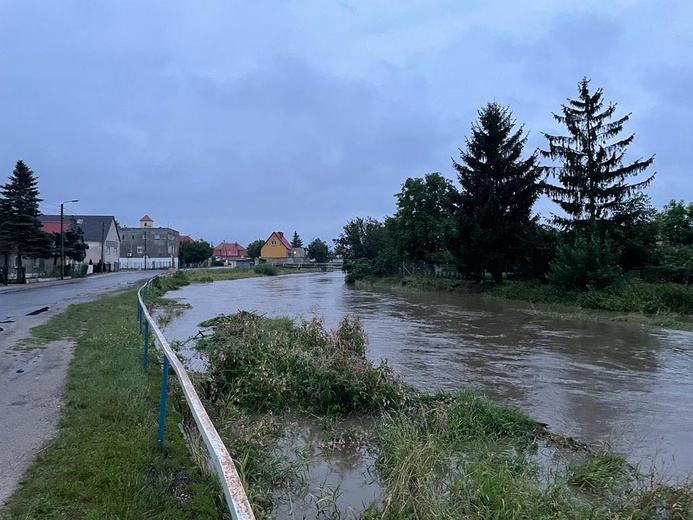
(617, 383)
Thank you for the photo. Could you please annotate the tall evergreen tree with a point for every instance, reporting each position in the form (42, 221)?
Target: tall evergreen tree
(296, 240)
(499, 188)
(20, 232)
(592, 187)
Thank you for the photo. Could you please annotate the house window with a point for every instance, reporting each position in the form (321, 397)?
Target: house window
(157, 236)
(123, 237)
(133, 237)
(139, 250)
(80, 221)
(274, 242)
(108, 250)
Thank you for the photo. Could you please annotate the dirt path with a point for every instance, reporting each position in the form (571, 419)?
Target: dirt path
(31, 397)
(32, 381)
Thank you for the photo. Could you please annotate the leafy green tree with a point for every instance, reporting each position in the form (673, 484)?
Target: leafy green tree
(424, 218)
(675, 223)
(20, 227)
(255, 248)
(193, 253)
(319, 251)
(498, 190)
(362, 238)
(592, 175)
(674, 258)
(296, 240)
(367, 248)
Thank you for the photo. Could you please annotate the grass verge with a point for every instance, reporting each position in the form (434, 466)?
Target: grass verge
(105, 461)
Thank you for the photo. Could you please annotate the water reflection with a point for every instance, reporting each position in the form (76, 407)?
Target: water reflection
(615, 382)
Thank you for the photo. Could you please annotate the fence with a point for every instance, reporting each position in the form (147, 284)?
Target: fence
(437, 270)
(236, 498)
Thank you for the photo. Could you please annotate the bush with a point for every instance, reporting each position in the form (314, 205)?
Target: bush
(270, 364)
(266, 269)
(586, 264)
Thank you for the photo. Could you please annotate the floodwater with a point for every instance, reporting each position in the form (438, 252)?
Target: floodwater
(617, 383)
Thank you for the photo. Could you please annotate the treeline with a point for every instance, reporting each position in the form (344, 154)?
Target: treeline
(607, 230)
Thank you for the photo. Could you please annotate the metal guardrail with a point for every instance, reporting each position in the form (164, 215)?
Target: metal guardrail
(236, 498)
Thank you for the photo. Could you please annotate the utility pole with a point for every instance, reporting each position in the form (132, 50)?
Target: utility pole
(103, 230)
(62, 240)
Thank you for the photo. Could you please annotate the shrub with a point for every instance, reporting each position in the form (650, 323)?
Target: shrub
(586, 264)
(266, 269)
(272, 364)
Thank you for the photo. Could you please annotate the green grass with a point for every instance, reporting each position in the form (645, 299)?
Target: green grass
(105, 461)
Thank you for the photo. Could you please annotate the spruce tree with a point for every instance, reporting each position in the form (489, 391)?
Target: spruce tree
(592, 187)
(296, 240)
(499, 188)
(20, 232)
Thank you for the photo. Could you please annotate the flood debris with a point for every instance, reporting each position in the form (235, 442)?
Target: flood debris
(38, 311)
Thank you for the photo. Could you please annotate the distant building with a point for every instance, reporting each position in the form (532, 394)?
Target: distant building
(185, 239)
(225, 252)
(277, 250)
(100, 234)
(148, 247)
(276, 247)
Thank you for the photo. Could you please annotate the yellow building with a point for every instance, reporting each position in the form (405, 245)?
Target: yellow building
(276, 246)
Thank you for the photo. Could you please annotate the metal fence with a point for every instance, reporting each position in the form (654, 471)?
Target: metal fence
(437, 270)
(236, 498)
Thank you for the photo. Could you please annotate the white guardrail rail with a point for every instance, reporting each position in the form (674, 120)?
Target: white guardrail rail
(219, 455)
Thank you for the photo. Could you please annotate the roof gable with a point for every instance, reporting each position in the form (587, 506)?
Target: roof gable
(281, 238)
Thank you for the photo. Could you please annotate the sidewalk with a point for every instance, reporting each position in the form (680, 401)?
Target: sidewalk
(14, 287)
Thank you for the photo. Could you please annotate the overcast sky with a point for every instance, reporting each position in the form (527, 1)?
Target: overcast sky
(228, 120)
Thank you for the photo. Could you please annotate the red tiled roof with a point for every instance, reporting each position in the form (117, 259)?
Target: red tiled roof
(54, 227)
(185, 238)
(282, 239)
(147, 218)
(226, 250)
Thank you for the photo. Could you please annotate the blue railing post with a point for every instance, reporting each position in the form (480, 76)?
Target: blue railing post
(145, 357)
(162, 404)
(139, 316)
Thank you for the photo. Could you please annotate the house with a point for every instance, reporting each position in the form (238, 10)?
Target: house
(232, 254)
(185, 239)
(277, 250)
(100, 234)
(225, 252)
(148, 247)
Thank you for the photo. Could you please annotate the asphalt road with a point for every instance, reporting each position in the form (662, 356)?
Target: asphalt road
(32, 381)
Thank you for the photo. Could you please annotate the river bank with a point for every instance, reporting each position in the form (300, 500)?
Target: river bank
(446, 455)
(658, 305)
(261, 369)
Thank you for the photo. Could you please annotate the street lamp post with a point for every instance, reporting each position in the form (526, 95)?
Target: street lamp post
(62, 239)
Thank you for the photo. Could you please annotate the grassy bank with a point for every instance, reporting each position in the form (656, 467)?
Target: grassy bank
(657, 304)
(447, 456)
(105, 461)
